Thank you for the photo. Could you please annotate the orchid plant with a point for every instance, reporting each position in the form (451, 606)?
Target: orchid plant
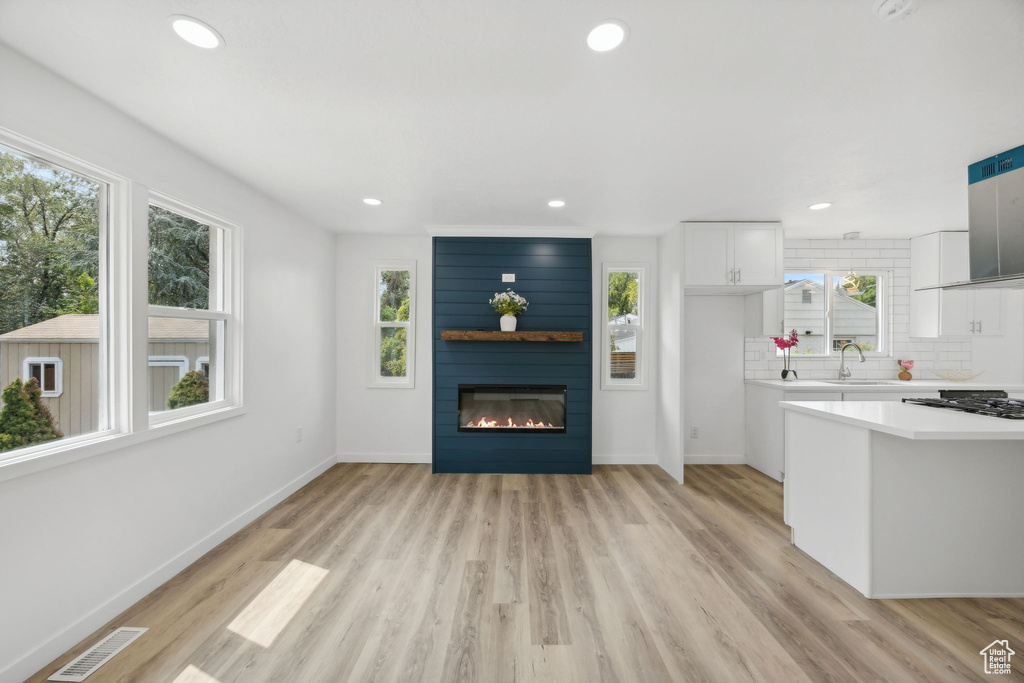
(508, 303)
(787, 344)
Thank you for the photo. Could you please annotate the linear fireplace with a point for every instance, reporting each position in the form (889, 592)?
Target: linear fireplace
(537, 409)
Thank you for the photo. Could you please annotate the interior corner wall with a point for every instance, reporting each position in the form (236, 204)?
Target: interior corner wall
(83, 541)
(624, 421)
(714, 390)
(381, 424)
(669, 419)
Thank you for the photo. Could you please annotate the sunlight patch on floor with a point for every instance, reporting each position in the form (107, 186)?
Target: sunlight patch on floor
(193, 674)
(266, 616)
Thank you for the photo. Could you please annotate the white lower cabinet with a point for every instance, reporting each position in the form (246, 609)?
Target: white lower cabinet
(766, 422)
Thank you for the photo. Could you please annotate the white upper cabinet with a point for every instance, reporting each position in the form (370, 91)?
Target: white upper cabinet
(733, 258)
(941, 258)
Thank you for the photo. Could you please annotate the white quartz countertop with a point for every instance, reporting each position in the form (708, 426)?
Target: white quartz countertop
(894, 386)
(913, 421)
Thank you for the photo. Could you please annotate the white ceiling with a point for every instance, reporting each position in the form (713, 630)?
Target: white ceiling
(474, 112)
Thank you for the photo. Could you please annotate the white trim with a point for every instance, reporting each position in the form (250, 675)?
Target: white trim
(715, 460)
(883, 314)
(114, 373)
(225, 305)
(508, 231)
(65, 639)
(375, 380)
(200, 362)
(643, 350)
(58, 373)
(180, 362)
(646, 459)
(399, 458)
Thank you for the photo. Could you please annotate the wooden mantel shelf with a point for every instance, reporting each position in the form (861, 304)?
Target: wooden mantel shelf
(522, 336)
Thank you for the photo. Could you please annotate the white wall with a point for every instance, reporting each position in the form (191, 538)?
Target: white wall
(713, 390)
(669, 420)
(82, 541)
(624, 421)
(367, 430)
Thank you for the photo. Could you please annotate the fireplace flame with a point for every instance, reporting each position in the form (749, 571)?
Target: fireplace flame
(484, 423)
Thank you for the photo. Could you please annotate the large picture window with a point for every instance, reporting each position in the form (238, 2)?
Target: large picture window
(194, 328)
(394, 315)
(54, 345)
(831, 308)
(624, 358)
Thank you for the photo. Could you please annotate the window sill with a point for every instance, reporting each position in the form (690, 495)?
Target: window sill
(45, 456)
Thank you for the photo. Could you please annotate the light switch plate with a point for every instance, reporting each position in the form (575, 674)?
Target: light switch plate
(508, 277)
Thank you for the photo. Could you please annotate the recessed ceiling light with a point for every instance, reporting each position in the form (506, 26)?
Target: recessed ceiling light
(372, 202)
(196, 32)
(819, 206)
(556, 203)
(607, 35)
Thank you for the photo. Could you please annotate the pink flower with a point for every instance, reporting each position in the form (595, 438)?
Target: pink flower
(907, 364)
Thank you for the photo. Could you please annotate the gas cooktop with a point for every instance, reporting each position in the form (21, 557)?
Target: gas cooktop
(980, 402)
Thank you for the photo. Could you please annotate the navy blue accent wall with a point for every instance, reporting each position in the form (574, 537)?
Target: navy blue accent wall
(555, 277)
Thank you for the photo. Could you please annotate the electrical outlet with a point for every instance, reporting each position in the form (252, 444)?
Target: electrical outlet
(298, 434)
(694, 433)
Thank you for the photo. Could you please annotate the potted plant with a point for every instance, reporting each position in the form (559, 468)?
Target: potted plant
(509, 305)
(905, 367)
(787, 344)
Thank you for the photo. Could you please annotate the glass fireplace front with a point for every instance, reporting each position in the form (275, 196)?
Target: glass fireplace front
(511, 408)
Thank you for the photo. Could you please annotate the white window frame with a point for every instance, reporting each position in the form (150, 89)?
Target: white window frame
(377, 381)
(883, 308)
(58, 373)
(114, 375)
(180, 362)
(225, 305)
(200, 362)
(638, 383)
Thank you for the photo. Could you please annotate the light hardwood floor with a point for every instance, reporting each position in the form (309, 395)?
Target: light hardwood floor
(388, 573)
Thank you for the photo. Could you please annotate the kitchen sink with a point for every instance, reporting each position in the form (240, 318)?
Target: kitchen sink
(860, 382)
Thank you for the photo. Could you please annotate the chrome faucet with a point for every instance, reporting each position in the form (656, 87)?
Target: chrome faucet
(844, 372)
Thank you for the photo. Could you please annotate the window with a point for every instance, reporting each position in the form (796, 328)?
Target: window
(394, 316)
(831, 308)
(194, 331)
(49, 372)
(624, 358)
(54, 264)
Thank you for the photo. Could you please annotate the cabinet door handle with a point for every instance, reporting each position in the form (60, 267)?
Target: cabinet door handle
(731, 277)
(979, 327)
(972, 326)
(738, 276)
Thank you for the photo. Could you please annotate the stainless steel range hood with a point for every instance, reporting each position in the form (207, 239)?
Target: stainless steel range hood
(995, 196)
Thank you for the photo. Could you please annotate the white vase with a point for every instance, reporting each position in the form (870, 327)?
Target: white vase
(508, 323)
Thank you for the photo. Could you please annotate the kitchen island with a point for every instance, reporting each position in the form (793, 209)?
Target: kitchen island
(907, 501)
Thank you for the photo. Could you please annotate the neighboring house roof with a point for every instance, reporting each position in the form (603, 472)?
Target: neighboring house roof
(840, 299)
(76, 327)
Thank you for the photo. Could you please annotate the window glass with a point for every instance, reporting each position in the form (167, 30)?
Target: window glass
(179, 260)
(830, 309)
(393, 289)
(624, 326)
(175, 346)
(392, 351)
(854, 310)
(50, 234)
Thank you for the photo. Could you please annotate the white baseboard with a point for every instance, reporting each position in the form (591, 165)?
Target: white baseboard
(425, 458)
(650, 459)
(61, 642)
(402, 458)
(714, 459)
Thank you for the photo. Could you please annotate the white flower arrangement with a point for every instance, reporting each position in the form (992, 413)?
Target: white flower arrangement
(508, 303)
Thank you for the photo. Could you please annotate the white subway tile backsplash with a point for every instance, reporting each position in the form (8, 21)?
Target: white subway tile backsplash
(947, 353)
